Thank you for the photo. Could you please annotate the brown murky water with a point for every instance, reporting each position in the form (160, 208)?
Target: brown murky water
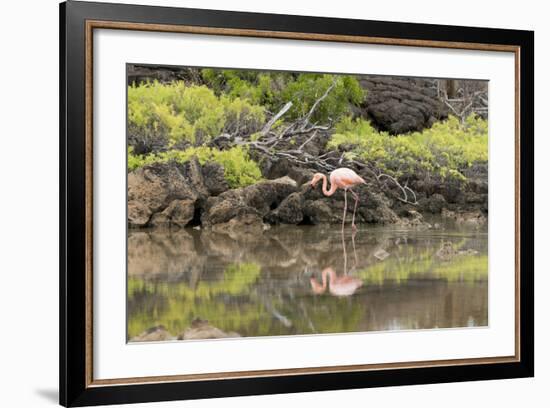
(383, 278)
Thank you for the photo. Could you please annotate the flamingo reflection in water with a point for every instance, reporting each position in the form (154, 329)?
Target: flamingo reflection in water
(338, 285)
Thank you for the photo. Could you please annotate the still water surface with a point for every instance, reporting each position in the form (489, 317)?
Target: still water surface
(307, 279)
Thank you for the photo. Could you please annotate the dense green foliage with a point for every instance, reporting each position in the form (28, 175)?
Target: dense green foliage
(274, 89)
(175, 121)
(169, 114)
(239, 169)
(445, 149)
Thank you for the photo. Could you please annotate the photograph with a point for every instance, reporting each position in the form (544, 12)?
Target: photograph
(275, 203)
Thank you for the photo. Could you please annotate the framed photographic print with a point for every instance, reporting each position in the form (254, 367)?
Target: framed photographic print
(255, 203)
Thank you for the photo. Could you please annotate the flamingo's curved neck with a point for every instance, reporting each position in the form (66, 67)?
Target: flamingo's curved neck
(332, 190)
(328, 272)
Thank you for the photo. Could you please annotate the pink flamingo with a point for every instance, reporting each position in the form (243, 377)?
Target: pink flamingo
(345, 179)
(337, 285)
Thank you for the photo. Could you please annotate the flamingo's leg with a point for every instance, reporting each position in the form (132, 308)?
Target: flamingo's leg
(354, 209)
(345, 208)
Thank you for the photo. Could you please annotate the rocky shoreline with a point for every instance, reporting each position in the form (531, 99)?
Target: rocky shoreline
(173, 195)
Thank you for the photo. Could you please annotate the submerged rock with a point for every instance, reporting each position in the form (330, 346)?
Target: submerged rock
(414, 219)
(157, 333)
(381, 254)
(473, 219)
(446, 252)
(201, 330)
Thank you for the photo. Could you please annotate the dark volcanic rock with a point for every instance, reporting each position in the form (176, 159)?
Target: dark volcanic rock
(167, 194)
(156, 185)
(244, 226)
(401, 105)
(178, 214)
(432, 204)
(283, 167)
(290, 211)
(192, 171)
(478, 178)
(138, 214)
(258, 199)
(214, 179)
(371, 207)
(318, 212)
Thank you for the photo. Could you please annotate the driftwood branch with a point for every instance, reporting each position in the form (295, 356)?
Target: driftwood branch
(404, 189)
(275, 118)
(409, 196)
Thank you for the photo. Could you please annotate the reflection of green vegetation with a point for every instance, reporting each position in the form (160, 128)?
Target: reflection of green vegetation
(406, 264)
(239, 169)
(243, 300)
(177, 304)
(444, 149)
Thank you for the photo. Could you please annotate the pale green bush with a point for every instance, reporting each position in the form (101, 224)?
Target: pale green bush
(445, 149)
(239, 169)
(164, 115)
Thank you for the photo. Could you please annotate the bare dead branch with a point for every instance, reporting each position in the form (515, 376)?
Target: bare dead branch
(275, 118)
(405, 198)
(308, 140)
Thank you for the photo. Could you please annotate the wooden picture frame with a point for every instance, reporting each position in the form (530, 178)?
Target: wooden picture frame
(78, 20)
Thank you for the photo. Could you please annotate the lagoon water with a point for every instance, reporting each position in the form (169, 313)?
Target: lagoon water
(269, 284)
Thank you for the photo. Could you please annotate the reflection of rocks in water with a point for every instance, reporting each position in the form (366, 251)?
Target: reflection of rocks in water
(425, 305)
(446, 252)
(381, 254)
(201, 330)
(243, 227)
(280, 251)
(260, 284)
(157, 333)
(163, 255)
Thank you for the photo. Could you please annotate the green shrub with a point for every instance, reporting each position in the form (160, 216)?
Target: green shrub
(445, 149)
(307, 88)
(239, 169)
(169, 114)
(253, 86)
(274, 89)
